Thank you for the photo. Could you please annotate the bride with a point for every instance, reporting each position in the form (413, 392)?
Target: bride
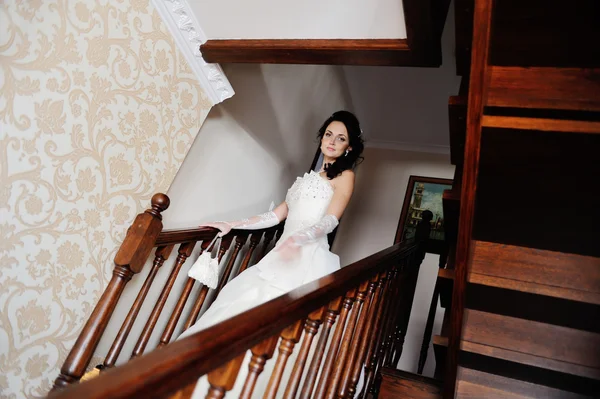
(312, 208)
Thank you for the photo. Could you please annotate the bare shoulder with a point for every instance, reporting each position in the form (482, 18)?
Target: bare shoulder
(345, 181)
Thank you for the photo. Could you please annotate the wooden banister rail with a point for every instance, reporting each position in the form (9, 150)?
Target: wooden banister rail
(142, 237)
(175, 367)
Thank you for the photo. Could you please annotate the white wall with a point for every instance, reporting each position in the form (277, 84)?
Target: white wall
(407, 108)
(253, 146)
(370, 222)
(309, 19)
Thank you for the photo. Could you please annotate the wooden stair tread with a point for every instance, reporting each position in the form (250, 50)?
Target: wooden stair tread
(478, 384)
(541, 124)
(532, 343)
(544, 88)
(447, 274)
(440, 340)
(556, 274)
(401, 384)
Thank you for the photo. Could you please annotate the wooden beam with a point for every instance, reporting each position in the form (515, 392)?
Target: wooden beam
(379, 52)
(541, 124)
(478, 90)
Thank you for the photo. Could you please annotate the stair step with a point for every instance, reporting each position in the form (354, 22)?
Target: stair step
(401, 384)
(549, 273)
(546, 346)
(477, 384)
(544, 87)
(541, 124)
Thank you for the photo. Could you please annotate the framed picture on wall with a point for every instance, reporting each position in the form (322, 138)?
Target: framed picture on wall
(424, 194)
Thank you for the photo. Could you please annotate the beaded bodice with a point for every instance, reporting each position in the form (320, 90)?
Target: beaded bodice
(307, 201)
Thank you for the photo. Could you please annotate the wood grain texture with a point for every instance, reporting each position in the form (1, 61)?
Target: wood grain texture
(569, 276)
(545, 87)
(400, 384)
(541, 124)
(533, 343)
(477, 99)
(473, 384)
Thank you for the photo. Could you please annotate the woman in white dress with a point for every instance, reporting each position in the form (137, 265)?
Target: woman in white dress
(312, 208)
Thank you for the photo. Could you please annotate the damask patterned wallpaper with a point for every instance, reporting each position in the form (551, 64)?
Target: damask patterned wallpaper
(98, 109)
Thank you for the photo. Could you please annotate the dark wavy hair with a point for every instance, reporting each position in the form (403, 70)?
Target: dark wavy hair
(356, 143)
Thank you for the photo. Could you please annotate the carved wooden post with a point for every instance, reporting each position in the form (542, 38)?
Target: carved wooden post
(223, 378)
(130, 259)
(260, 354)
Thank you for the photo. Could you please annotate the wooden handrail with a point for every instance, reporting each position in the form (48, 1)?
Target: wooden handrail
(180, 236)
(165, 371)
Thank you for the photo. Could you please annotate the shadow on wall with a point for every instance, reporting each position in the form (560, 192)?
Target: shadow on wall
(283, 106)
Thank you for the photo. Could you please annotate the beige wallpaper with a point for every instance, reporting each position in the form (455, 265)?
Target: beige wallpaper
(97, 111)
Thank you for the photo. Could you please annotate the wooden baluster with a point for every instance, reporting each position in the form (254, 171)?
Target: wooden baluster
(368, 336)
(239, 243)
(405, 311)
(260, 354)
(269, 234)
(330, 317)
(254, 240)
(176, 314)
(373, 348)
(394, 318)
(335, 343)
(428, 328)
(311, 328)
(350, 332)
(130, 259)
(222, 379)
(359, 336)
(289, 338)
(199, 298)
(185, 250)
(162, 254)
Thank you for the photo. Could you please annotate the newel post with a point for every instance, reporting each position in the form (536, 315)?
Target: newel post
(130, 259)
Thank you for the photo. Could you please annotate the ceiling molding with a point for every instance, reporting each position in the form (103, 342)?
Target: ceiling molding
(424, 21)
(188, 36)
(405, 146)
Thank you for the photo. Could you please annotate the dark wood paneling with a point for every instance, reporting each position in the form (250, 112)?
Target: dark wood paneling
(463, 30)
(546, 33)
(537, 189)
(401, 384)
(554, 88)
(457, 118)
(381, 52)
(475, 384)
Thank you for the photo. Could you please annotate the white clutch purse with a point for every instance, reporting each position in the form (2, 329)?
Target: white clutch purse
(206, 268)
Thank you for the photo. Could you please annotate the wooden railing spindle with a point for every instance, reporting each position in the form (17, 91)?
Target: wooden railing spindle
(350, 332)
(130, 259)
(161, 254)
(185, 250)
(335, 344)
(289, 338)
(222, 379)
(353, 359)
(367, 337)
(254, 240)
(311, 328)
(199, 301)
(260, 354)
(374, 344)
(330, 317)
(269, 234)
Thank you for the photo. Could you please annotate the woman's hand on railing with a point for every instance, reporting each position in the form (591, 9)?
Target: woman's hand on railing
(223, 227)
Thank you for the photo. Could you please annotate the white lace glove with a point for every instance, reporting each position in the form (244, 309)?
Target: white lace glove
(262, 221)
(316, 231)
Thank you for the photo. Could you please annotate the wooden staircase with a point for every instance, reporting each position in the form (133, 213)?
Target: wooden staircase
(525, 304)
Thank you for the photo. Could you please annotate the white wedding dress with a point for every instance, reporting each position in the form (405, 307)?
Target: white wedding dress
(307, 201)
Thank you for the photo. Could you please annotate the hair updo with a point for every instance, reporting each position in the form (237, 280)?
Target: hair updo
(354, 157)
